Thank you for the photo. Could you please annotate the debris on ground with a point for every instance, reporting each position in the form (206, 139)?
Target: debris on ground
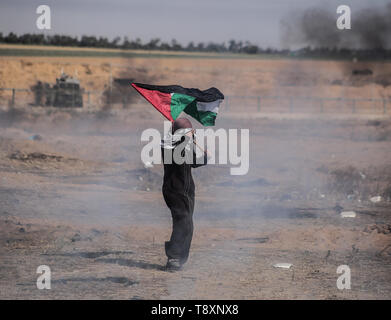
(385, 228)
(338, 208)
(375, 199)
(362, 72)
(283, 265)
(36, 137)
(255, 240)
(348, 214)
(76, 237)
(34, 156)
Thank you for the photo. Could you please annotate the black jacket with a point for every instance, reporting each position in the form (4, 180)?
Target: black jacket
(177, 177)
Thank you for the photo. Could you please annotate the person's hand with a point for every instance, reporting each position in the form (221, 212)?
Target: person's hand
(190, 133)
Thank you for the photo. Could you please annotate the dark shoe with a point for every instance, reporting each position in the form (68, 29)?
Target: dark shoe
(173, 265)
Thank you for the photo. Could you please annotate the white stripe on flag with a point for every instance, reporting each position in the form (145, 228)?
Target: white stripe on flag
(209, 106)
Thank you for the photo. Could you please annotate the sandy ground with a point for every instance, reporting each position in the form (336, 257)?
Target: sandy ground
(235, 77)
(78, 199)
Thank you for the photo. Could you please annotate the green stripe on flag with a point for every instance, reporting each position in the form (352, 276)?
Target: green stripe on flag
(207, 118)
(188, 104)
(179, 102)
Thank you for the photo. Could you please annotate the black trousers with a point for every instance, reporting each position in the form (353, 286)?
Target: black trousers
(182, 207)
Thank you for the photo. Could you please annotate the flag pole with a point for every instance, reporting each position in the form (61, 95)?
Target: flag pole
(199, 145)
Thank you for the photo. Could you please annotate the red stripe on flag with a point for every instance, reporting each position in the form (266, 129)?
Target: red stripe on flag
(161, 101)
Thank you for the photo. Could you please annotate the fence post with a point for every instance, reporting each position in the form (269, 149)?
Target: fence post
(384, 106)
(88, 98)
(111, 86)
(13, 97)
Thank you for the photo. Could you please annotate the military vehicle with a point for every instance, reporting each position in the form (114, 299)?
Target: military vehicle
(66, 93)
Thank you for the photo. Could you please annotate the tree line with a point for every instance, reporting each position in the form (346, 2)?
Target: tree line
(231, 46)
(126, 43)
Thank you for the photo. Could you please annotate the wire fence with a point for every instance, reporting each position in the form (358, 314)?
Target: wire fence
(257, 104)
(297, 104)
(21, 97)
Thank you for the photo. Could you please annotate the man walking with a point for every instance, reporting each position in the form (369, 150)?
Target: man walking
(178, 190)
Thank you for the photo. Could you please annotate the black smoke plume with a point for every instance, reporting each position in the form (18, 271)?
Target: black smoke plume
(316, 28)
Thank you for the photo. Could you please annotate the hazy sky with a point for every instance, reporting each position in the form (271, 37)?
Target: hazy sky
(197, 20)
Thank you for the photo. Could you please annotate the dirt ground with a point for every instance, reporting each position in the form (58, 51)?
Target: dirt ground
(75, 196)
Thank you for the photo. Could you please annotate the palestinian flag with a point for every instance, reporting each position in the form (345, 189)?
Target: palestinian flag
(172, 100)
